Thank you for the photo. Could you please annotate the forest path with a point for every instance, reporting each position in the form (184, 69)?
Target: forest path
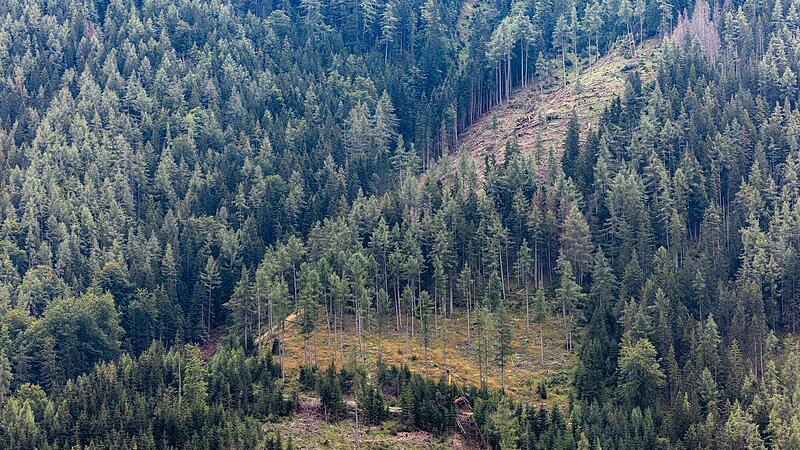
(544, 110)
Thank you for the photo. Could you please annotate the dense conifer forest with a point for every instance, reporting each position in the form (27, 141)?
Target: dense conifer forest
(182, 181)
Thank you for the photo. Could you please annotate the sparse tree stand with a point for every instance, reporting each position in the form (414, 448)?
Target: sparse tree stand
(408, 300)
(358, 268)
(339, 288)
(439, 289)
(310, 292)
(540, 315)
(569, 295)
(381, 304)
(560, 35)
(593, 22)
(625, 13)
(574, 28)
(505, 338)
(279, 296)
(486, 333)
(464, 290)
(524, 266)
(424, 324)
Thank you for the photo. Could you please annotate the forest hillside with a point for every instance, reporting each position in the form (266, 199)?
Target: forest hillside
(272, 224)
(542, 110)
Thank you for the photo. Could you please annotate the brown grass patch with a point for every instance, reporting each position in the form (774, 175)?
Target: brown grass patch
(523, 373)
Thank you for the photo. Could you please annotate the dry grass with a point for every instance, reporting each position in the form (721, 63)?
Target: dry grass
(523, 373)
(530, 112)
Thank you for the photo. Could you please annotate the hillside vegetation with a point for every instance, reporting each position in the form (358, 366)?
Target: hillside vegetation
(228, 223)
(541, 111)
(455, 349)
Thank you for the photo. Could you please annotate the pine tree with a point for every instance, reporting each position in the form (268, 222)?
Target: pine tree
(240, 305)
(626, 13)
(569, 295)
(640, 373)
(505, 338)
(524, 267)
(560, 36)
(169, 272)
(540, 313)
(465, 282)
(425, 323)
(571, 147)
(592, 22)
(314, 20)
(506, 424)
(5, 378)
(359, 130)
(386, 123)
(389, 26)
(310, 293)
(576, 243)
(211, 281)
(486, 334)
(279, 300)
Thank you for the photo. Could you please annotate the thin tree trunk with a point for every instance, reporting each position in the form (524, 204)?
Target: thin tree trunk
(541, 342)
(527, 310)
(566, 326)
(260, 337)
(469, 322)
(444, 346)
(280, 348)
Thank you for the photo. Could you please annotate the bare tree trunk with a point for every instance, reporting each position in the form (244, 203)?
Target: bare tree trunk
(280, 348)
(444, 346)
(527, 310)
(258, 311)
(566, 326)
(541, 342)
(315, 347)
(328, 311)
(469, 322)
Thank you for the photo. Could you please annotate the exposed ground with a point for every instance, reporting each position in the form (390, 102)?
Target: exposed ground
(308, 429)
(523, 374)
(545, 109)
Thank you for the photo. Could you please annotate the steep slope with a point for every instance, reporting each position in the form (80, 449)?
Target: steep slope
(545, 110)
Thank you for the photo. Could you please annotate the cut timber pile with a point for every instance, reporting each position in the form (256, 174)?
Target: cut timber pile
(531, 112)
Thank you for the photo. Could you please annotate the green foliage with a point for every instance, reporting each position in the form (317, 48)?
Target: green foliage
(178, 170)
(428, 404)
(330, 394)
(372, 405)
(176, 401)
(640, 373)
